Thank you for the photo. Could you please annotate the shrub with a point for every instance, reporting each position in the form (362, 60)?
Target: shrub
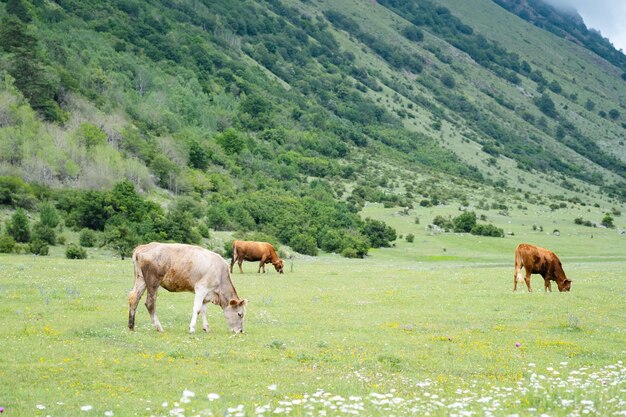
(48, 215)
(304, 244)
(442, 222)
(228, 249)
(38, 247)
(410, 238)
(75, 252)
(607, 221)
(354, 245)
(44, 233)
(379, 234)
(487, 230)
(465, 222)
(19, 227)
(7, 243)
(87, 238)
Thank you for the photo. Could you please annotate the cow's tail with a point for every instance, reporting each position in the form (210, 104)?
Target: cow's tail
(234, 252)
(519, 263)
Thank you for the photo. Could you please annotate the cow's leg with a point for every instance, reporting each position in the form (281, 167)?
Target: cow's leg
(527, 278)
(133, 300)
(547, 284)
(151, 306)
(232, 263)
(517, 276)
(239, 262)
(198, 305)
(205, 322)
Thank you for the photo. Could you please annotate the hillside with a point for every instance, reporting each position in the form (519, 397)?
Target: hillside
(164, 119)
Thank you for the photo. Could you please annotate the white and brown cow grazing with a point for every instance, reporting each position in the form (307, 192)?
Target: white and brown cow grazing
(177, 267)
(255, 251)
(536, 260)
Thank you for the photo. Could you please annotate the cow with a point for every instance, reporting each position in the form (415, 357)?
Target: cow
(255, 251)
(536, 260)
(178, 267)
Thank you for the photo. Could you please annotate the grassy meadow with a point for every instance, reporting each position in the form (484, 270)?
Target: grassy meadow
(429, 328)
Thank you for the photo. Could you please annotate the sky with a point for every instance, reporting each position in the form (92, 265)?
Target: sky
(606, 16)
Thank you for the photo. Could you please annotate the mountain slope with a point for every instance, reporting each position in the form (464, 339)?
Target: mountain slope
(344, 101)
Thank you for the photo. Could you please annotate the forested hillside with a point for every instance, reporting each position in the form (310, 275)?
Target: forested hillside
(155, 120)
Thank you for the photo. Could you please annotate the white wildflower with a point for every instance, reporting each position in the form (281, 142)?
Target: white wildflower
(213, 396)
(86, 408)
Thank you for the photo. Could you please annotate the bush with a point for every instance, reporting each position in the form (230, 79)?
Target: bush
(48, 215)
(465, 222)
(19, 227)
(87, 238)
(304, 244)
(228, 249)
(379, 234)
(607, 221)
(38, 247)
(44, 233)
(487, 230)
(410, 238)
(354, 245)
(442, 222)
(7, 244)
(75, 252)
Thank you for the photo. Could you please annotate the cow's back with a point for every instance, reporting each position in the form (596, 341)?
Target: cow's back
(539, 260)
(179, 267)
(251, 251)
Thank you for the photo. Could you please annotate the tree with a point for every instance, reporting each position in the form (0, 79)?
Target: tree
(378, 233)
(255, 112)
(90, 135)
(32, 78)
(304, 244)
(48, 215)
(87, 238)
(44, 233)
(607, 221)
(546, 105)
(231, 141)
(18, 227)
(465, 222)
(198, 156)
(121, 238)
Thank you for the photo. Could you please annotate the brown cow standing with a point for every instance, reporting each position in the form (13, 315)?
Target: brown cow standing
(255, 251)
(177, 267)
(536, 260)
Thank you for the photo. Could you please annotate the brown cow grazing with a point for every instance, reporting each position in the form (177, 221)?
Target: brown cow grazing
(255, 251)
(536, 260)
(177, 267)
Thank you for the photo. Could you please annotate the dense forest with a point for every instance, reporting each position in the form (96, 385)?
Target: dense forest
(130, 121)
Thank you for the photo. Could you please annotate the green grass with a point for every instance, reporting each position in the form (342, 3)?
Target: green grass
(420, 328)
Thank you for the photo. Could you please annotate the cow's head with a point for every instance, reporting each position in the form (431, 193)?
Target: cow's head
(565, 285)
(279, 265)
(234, 313)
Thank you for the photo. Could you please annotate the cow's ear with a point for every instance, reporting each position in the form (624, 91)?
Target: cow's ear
(243, 302)
(234, 302)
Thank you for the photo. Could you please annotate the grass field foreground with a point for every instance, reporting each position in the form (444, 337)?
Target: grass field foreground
(381, 336)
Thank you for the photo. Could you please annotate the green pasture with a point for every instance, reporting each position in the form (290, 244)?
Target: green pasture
(409, 330)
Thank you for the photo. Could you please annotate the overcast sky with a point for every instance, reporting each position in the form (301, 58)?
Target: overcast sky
(607, 16)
